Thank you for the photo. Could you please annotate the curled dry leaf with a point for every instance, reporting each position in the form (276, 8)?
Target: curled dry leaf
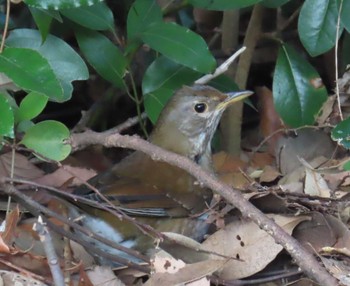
(243, 239)
(326, 231)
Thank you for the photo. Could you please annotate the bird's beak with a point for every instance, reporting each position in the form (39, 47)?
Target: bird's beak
(233, 97)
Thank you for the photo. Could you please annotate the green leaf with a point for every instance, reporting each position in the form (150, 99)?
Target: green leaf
(344, 15)
(222, 4)
(341, 133)
(346, 166)
(48, 139)
(224, 84)
(297, 89)
(31, 106)
(155, 101)
(317, 25)
(274, 3)
(6, 117)
(97, 17)
(142, 14)
(180, 45)
(60, 4)
(103, 55)
(24, 125)
(165, 73)
(43, 20)
(30, 71)
(65, 62)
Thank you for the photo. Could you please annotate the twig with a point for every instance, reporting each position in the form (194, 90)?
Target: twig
(127, 124)
(336, 61)
(23, 271)
(4, 34)
(221, 69)
(303, 258)
(37, 209)
(46, 239)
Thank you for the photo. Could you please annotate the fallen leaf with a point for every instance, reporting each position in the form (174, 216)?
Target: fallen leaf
(243, 239)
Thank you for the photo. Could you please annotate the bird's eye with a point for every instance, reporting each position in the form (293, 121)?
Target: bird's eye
(200, 107)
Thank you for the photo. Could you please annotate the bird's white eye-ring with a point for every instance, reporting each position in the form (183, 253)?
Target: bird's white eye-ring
(200, 107)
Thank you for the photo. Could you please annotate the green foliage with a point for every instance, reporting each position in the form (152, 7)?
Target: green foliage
(45, 66)
(341, 133)
(297, 89)
(48, 139)
(31, 106)
(7, 118)
(141, 15)
(60, 4)
(96, 17)
(110, 64)
(30, 71)
(222, 4)
(317, 26)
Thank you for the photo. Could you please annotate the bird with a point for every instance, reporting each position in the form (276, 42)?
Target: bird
(156, 193)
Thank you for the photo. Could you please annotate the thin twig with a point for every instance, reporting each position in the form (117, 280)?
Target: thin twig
(4, 34)
(46, 239)
(37, 209)
(336, 61)
(221, 69)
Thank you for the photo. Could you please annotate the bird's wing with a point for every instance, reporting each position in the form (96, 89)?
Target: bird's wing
(151, 189)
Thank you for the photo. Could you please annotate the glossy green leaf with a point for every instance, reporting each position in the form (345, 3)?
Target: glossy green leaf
(224, 84)
(165, 73)
(222, 4)
(60, 4)
(142, 14)
(345, 19)
(6, 117)
(31, 106)
(317, 25)
(103, 55)
(341, 133)
(155, 101)
(65, 62)
(274, 3)
(180, 45)
(30, 71)
(297, 89)
(96, 17)
(43, 20)
(48, 139)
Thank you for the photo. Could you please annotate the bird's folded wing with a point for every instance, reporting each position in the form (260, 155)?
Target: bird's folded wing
(136, 198)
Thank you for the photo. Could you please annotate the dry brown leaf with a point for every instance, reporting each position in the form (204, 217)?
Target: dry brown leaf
(103, 276)
(243, 239)
(62, 175)
(11, 278)
(326, 110)
(326, 231)
(191, 274)
(269, 174)
(22, 168)
(235, 179)
(225, 163)
(270, 121)
(315, 185)
(308, 144)
(339, 269)
(11, 224)
(260, 160)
